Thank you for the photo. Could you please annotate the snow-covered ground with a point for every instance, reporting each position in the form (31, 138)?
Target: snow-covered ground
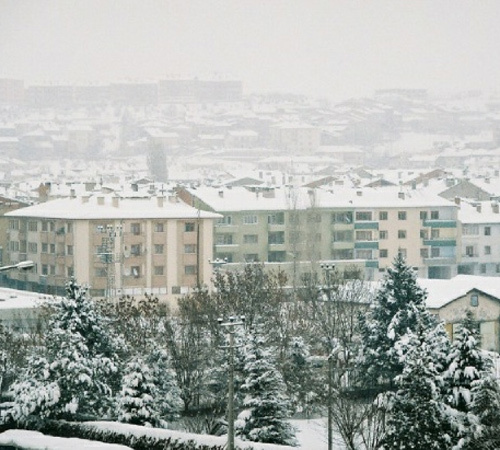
(311, 434)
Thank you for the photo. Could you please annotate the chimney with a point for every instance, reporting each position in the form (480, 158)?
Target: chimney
(457, 200)
(85, 198)
(494, 207)
(359, 192)
(160, 201)
(478, 207)
(401, 195)
(116, 201)
(100, 201)
(414, 185)
(269, 193)
(487, 180)
(72, 193)
(173, 198)
(135, 187)
(221, 193)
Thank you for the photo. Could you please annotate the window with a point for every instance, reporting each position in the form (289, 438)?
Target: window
(363, 215)
(383, 253)
(226, 220)
(32, 225)
(135, 271)
(250, 219)
(482, 268)
(158, 270)
(189, 227)
(487, 231)
(424, 234)
(158, 249)
(250, 238)
(497, 268)
(190, 248)
(401, 215)
(135, 249)
(364, 254)
(52, 248)
(435, 252)
(276, 256)
(343, 236)
(45, 226)
(224, 239)
(470, 229)
(363, 235)
(45, 269)
(401, 234)
(159, 227)
(342, 254)
(383, 234)
(423, 215)
(424, 252)
(69, 227)
(13, 224)
(69, 250)
(276, 219)
(100, 272)
(342, 217)
(32, 247)
(383, 215)
(402, 252)
(434, 215)
(189, 270)
(276, 237)
(52, 269)
(45, 247)
(435, 233)
(135, 228)
(487, 250)
(251, 257)
(70, 271)
(474, 300)
(469, 250)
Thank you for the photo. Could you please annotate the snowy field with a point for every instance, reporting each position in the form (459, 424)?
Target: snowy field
(311, 434)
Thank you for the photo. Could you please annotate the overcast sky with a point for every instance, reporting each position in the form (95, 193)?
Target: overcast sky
(332, 48)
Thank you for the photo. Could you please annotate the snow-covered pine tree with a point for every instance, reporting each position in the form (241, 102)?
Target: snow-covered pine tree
(136, 399)
(168, 399)
(399, 307)
(79, 368)
(466, 363)
(266, 403)
(417, 415)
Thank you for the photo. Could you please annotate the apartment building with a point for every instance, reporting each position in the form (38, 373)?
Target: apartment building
(480, 229)
(365, 228)
(116, 245)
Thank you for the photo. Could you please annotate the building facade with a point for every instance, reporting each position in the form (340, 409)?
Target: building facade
(116, 246)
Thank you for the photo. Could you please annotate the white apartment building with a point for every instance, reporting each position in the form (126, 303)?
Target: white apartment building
(117, 246)
(480, 229)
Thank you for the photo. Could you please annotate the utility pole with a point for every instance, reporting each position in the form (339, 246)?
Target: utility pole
(327, 289)
(230, 325)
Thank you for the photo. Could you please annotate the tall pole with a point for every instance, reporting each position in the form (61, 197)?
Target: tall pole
(231, 325)
(327, 269)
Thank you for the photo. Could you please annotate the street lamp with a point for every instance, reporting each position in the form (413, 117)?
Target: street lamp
(230, 325)
(217, 263)
(23, 265)
(328, 268)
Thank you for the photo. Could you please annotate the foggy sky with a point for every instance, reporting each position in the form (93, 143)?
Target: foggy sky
(334, 48)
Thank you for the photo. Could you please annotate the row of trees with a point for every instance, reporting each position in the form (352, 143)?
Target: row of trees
(378, 362)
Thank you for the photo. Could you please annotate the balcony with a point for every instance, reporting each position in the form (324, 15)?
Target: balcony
(366, 225)
(366, 245)
(441, 242)
(440, 223)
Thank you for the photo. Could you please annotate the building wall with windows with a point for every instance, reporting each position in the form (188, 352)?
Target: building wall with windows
(116, 246)
(365, 228)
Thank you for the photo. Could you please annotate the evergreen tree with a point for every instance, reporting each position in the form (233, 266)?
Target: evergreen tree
(399, 307)
(266, 404)
(466, 364)
(417, 415)
(136, 400)
(79, 368)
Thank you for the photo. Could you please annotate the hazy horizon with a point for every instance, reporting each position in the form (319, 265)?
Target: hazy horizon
(320, 48)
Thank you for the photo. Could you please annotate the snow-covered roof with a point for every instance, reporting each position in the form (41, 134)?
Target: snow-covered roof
(441, 292)
(113, 207)
(286, 198)
(16, 299)
(479, 212)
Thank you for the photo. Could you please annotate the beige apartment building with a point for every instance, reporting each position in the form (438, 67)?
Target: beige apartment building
(115, 245)
(365, 228)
